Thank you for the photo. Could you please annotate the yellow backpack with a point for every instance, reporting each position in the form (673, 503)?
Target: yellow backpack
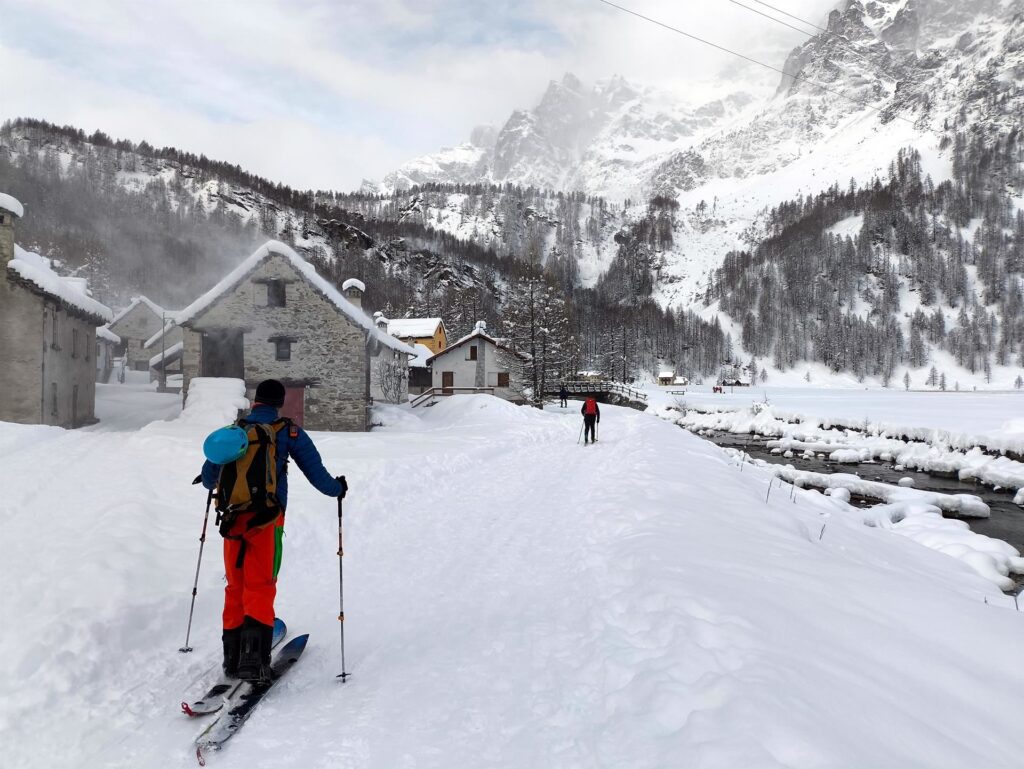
(249, 484)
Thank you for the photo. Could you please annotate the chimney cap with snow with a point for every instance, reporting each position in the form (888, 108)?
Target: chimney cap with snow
(481, 326)
(354, 283)
(11, 204)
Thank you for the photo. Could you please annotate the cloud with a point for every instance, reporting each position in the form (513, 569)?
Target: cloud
(323, 93)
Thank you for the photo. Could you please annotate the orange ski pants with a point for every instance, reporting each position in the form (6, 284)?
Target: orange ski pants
(252, 587)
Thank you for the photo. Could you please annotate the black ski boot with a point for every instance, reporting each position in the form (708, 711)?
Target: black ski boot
(232, 640)
(254, 654)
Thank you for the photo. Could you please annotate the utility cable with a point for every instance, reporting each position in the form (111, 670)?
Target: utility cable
(850, 47)
(801, 78)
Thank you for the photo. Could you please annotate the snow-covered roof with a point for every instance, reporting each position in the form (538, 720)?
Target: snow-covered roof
(170, 354)
(36, 270)
(666, 374)
(104, 332)
(173, 318)
(271, 247)
(156, 309)
(12, 204)
(405, 328)
(478, 332)
(353, 283)
(423, 354)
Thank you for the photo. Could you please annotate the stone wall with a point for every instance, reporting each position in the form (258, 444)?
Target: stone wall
(328, 353)
(68, 371)
(21, 339)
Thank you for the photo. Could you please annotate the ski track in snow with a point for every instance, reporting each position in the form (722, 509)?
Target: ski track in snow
(512, 599)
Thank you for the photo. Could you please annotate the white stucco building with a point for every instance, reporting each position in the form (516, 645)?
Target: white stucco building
(477, 361)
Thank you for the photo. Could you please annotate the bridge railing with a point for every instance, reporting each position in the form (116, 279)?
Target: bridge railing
(604, 386)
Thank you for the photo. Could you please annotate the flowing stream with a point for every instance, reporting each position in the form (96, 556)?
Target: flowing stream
(1005, 523)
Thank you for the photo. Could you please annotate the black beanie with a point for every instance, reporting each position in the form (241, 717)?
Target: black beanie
(270, 392)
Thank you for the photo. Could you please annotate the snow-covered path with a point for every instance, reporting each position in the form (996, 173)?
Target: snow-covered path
(512, 600)
(132, 406)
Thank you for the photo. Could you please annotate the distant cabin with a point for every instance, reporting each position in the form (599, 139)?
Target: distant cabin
(666, 378)
(477, 361)
(429, 332)
(135, 325)
(47, 336)
(274, 317)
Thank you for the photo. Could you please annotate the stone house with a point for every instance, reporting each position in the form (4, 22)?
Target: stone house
(477, 361)
(273, 316)
(47, 334)
(135, 325)
(429, 332)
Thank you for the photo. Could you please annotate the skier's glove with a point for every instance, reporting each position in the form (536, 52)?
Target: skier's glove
(344, 486)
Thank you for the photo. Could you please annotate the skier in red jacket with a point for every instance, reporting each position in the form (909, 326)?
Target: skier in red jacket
(591, 416)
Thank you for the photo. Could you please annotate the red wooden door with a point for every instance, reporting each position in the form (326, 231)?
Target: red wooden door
(294, 404)
(447, 382)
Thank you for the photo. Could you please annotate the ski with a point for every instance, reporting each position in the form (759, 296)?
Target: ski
(221, 691)
(245, 699)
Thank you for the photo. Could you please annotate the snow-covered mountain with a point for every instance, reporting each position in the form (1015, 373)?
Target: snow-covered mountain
(884, 75)
(578, 138)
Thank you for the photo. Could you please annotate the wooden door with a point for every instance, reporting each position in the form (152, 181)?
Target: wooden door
(447, 382)
(294, 404)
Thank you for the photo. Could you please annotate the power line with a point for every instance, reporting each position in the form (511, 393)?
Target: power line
(801, 78)
(785, 13)
(851, 48)
(772, 18)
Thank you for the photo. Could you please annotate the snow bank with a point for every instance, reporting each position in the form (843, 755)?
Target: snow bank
(931, 453)
(213, 401)
(512, 600)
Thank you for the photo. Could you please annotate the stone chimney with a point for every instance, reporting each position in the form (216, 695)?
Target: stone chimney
(353, 289)
(10, 209)
(481, 326)
(381, 321)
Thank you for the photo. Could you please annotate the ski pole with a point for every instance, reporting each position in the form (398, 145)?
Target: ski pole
(341, 590)
(195, 584)
(581, 433)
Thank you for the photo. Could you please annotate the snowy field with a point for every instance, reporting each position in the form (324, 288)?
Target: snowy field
(513, 600)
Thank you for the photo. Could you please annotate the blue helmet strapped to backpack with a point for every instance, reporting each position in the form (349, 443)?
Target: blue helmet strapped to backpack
(226, 445)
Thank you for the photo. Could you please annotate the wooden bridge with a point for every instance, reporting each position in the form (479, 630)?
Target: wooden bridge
(605, 391)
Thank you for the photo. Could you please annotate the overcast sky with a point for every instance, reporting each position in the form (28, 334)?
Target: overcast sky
(324, 93)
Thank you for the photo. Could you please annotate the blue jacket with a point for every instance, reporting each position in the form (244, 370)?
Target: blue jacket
(299, 448)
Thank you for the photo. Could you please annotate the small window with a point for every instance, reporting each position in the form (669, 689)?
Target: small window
(54, 338)
(502, 379)
(86, 350)
(472, 352)
(74, 343)
(74, 404)
(53, 399)
(276, 294)
(283, 349)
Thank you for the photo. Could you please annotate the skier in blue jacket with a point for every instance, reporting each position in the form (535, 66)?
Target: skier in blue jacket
(252, 556)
